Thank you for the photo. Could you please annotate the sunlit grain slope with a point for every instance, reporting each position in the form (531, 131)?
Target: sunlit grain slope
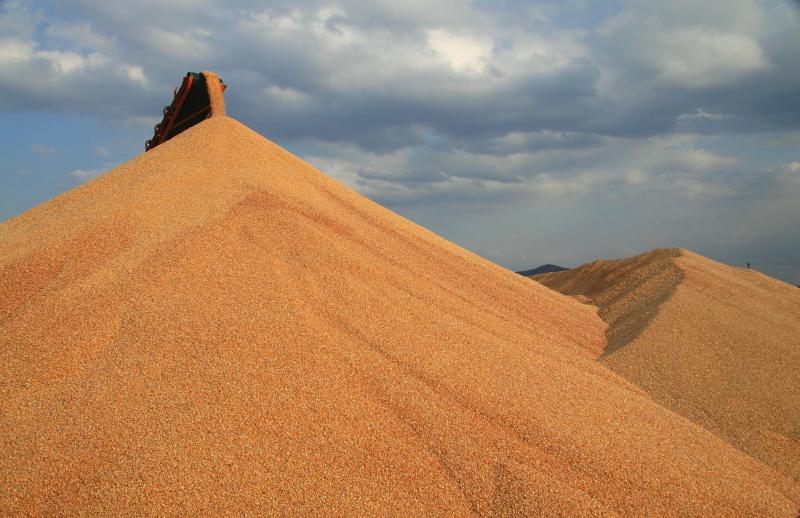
(216, 327)
(717, 344)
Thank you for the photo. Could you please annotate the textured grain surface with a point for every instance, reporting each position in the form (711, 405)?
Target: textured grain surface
(627, 292)
(717, 344)
(216, 326)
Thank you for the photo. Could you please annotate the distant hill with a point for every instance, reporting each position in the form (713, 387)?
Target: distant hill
(545, 268)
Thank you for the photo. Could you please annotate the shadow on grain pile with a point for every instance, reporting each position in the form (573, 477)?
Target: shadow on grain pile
(628, 292)
(717, 344)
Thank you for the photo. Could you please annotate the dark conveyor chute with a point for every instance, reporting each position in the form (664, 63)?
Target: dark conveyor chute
(190, 105)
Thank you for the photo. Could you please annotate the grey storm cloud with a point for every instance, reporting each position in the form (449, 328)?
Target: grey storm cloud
(420, 103)
(366, 72)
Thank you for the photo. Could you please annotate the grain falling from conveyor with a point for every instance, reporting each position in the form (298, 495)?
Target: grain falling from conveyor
(215, 94)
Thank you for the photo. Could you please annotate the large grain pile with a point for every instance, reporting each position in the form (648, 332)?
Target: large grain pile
(717, 344)
(216, 326)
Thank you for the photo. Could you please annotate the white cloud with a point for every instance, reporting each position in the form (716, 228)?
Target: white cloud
(684, 44)
(68, 62)
(19, 61)
(287, 98)
(83, 175)
(14, 50)
(787, 177)
(412, 12)
(792, 167)
(671, 166)
(44, 151)
(636, 177)
(543, 53)
(81, 35)
(699, 57)
(561, 186)
(179, 44)
(46, 63)
(462, 52)
(135, 73)
(700, 160)
(702, 115)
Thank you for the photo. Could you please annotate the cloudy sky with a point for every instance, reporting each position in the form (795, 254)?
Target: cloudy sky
(529, 132)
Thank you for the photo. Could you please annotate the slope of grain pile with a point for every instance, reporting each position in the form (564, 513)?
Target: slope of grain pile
(717, 344)
(216, 325)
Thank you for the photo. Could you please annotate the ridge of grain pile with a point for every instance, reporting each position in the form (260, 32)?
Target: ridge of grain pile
(717, 344)
(217, 327)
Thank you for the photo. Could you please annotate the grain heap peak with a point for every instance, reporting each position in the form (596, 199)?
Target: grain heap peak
(199, 97)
